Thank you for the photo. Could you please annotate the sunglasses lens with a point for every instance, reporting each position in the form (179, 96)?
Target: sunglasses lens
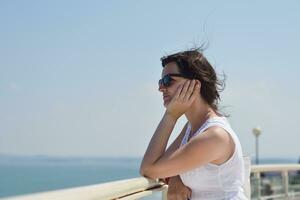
(165, 81)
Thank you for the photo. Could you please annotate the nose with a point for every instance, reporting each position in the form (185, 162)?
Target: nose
(161, 88)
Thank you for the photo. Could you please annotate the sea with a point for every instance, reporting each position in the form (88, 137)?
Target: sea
(21, 175)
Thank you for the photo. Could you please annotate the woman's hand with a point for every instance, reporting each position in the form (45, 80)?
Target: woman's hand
(177, 190)
(183, 98)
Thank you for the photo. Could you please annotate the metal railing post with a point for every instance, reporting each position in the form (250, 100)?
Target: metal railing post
(285, 177)
(257, 177)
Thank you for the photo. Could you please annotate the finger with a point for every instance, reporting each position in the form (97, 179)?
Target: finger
(192, 97)
(185, 197)
(178, 91)
(184, 89)
(187, 193)
(190, 193)
(196, 91)
(190, 90)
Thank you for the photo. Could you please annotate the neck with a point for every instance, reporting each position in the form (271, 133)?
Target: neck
(198, 113)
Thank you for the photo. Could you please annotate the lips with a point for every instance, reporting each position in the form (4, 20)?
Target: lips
(165, 97)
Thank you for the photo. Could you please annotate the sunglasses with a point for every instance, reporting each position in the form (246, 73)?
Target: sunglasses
(167, 79)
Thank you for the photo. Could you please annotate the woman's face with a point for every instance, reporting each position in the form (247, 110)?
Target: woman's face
(169, 91)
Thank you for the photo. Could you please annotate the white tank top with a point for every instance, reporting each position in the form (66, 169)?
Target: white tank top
(215, 182)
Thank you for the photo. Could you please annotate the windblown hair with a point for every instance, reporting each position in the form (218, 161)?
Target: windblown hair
(192, 63)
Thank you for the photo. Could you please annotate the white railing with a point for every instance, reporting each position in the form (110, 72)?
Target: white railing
(127, 189)
(140, 187)
(289, 191)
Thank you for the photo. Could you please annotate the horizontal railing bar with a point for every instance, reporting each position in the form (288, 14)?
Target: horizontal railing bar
(275, 168)
(98, 191)
(272, 196)
(144, 193)
(294, 193)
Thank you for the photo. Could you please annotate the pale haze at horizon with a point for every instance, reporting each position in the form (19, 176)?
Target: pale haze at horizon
(80, 78)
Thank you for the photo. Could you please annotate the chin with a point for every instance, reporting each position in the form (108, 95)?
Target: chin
(166, 103)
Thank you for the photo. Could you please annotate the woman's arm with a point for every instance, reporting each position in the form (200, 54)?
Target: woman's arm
(184, 96)
(173, 147)
(201, 149)
(176, 143)
(158, 142)
(176, 188)
(177, 106)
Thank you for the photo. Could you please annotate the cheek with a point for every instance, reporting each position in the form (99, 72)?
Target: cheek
(172, 92)
(175, 87)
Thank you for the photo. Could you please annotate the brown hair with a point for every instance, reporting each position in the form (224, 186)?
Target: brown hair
(192, 63)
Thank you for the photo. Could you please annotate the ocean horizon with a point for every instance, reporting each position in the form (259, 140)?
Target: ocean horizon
(30, 174)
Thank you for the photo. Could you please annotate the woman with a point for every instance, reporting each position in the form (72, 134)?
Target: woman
(207, 155)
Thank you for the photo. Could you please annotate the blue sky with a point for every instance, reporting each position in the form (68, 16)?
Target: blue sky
(80, 77)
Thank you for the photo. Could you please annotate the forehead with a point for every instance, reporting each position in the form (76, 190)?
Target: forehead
(170, 68)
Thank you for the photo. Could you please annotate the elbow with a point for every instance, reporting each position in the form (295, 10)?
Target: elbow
(142, 171)
(145, 172)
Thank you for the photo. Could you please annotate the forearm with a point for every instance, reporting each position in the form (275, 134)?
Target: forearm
(159, 141)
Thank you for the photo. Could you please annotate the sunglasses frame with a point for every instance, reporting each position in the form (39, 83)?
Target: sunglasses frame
(167, 79)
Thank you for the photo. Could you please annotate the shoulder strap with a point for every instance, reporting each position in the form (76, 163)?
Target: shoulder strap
(187, 131)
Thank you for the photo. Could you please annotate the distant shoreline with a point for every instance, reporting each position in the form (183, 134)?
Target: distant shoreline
(9, 158)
